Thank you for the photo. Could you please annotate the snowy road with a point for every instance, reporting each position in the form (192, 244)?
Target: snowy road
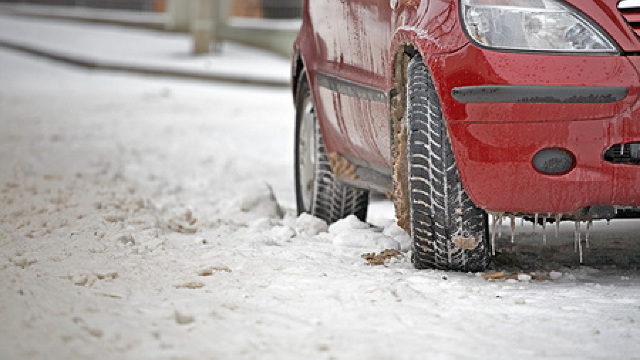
(137, 221)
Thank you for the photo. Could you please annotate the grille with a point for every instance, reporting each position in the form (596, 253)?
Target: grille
(628, 153)
(630, 10)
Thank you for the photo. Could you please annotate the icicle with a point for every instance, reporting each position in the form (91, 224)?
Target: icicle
(500, 217)
(558, 218)
(535, 222)
(522, 221)
(586, 237)
(579, 233)
(579, 240)
(544, 230)
(513, 227)
(493, 234)
(575, 236)
(621, 149)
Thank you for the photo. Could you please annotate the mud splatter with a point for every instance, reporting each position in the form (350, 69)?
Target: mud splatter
(383, 258)
(466, 242)
(342, 167)
(399, 145)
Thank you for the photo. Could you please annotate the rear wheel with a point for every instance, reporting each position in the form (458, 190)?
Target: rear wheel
(448, 230)
(318, 192)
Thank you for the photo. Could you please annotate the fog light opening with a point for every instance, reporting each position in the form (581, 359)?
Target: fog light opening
(554, 161)
(627, 153)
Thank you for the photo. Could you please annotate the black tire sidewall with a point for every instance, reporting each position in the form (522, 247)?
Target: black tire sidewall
(303, 92)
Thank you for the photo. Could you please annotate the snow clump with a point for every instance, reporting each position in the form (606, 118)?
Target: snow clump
(398, 234)
(309, 225)
(351, 232)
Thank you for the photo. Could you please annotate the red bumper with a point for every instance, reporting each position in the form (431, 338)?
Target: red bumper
(494, 142)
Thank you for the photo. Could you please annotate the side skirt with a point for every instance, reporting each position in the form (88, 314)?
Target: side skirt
(366, 177)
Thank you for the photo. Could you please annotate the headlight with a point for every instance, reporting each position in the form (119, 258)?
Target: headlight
(532, 25)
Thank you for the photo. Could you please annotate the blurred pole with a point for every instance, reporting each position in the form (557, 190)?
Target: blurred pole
(220, 18)
(202, 26)
(179, 14)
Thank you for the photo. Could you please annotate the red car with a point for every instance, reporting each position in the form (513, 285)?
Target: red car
(462, 108)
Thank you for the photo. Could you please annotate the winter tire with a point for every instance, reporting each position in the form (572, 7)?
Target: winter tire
(448, 230)
(318, 192)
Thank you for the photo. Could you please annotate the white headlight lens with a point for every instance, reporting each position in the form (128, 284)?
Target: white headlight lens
(532, 25)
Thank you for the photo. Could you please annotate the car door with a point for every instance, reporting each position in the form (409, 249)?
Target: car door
(352, 47)
(366, 110)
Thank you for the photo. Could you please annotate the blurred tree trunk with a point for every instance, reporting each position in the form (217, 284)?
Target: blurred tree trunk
(202, 26)
(179, 13)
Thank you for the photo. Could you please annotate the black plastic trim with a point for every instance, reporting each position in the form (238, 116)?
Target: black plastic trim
(369, 177)
(350, 88)
(540, 94)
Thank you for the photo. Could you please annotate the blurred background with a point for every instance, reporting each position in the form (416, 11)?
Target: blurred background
(268, 24)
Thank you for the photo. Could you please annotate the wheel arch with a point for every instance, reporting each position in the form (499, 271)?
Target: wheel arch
(430, 30)
(407, 45)
(297, 69)
(397, 97)
(397, 130)
(426, 39)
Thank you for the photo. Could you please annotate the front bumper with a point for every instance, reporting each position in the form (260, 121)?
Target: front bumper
(495, 134)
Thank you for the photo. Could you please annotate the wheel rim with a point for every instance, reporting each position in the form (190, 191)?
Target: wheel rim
(307, 154)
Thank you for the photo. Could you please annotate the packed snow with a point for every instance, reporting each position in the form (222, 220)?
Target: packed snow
(154, 218)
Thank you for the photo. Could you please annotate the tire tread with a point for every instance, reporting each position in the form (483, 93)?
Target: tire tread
(440, 207)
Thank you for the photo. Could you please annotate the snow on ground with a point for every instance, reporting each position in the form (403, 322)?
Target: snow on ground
(153, 218)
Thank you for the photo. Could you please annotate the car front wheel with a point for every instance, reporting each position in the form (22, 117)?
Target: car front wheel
(448, 230)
